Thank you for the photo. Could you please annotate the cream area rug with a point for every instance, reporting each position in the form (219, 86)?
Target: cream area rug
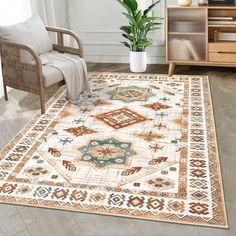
(143, 146)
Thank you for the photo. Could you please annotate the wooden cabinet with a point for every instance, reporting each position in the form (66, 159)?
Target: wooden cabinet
(222, 52)
(192, 37)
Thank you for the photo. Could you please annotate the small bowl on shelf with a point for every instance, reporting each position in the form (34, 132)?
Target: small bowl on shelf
(185, 3)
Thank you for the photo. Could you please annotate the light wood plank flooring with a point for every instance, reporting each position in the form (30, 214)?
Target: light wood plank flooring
(18, 220)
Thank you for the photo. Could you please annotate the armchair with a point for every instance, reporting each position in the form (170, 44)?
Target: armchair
(33, 76)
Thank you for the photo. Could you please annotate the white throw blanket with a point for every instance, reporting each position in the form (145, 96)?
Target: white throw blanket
(74, 71)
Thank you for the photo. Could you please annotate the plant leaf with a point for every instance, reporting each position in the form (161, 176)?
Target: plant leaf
(126, 44)
(140, 24)
(129, 37)
(125, 6)
(138, 16)
(126, 29)
(132, 4)
(130, 17)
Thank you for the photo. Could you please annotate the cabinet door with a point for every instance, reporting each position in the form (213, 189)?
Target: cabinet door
(186, 34)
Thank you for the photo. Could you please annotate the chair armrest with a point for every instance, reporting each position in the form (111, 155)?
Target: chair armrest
(18, 47)
(61, 47)
(11, 52)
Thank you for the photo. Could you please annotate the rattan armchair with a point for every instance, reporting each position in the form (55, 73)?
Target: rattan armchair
(27, 76)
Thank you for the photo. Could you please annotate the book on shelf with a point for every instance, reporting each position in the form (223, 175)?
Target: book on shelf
(226, 36)
(220, 18)
(221, 22)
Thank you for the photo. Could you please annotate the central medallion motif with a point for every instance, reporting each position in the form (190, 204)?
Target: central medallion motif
(107, 151)
(130, 94)
(121, 118)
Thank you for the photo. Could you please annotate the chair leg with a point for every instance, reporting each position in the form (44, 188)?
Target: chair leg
(42, 102)
(5, 92)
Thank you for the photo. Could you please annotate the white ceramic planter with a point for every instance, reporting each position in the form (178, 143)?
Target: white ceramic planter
(138, 61)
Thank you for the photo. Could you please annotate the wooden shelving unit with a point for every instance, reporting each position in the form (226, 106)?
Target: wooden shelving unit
(222, 26)
(186, 33)
(191, 40)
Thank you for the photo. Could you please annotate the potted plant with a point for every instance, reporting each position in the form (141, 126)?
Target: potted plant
(140, 24)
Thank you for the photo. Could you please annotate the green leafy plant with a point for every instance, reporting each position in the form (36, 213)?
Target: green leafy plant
(140, 24)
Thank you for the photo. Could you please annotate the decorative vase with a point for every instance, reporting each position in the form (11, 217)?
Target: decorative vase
(185, 2)
(138, 61)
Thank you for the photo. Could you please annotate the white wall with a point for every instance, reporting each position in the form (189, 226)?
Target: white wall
(52, 12)
(97, 23)
(12, 12)
(61, 13)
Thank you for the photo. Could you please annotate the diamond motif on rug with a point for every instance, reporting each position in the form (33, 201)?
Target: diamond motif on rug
(176, 206)
(131, 94)
(121, 118)
(150, 136)
(157, 106)
(79, 131)
(105, 152)
(160, 183)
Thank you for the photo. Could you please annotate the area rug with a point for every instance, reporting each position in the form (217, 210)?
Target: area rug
(143, 146)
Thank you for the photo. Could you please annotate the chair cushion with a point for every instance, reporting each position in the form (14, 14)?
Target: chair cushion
(31, 33)
(51, 75)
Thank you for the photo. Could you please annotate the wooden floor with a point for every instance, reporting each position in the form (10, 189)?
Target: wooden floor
(18, 220)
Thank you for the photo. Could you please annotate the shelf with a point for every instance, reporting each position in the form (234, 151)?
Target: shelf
(202, 8)
(203, 63)
(222, 26)
(187, 33)
(194, 43)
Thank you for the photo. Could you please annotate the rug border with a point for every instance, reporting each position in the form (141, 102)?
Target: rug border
(115, 215)
(37, 115)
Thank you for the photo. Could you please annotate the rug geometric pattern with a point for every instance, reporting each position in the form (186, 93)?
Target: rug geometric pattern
(143, 146)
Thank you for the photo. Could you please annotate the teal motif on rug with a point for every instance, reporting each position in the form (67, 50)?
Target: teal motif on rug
(130, 94)
(106, 152)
